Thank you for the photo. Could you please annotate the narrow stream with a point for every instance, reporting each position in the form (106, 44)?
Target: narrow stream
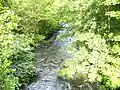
(49, 58)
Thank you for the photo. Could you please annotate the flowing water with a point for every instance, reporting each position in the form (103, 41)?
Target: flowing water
(49, 57)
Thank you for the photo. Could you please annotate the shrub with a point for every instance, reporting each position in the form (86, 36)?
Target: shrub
(93, 59)
(16, 57)
(8, 21)
(97, 42)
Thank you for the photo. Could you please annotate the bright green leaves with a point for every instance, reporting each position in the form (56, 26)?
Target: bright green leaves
(16, 65)
(111, 2)
(37, 17)
(10, 83)
(8, 21)
(93, 42)
(41, 17)
(116, 49)
(92, 59)
(115, 14)
(112, 74)
(116, 38)
(69, 70)
(95, 57)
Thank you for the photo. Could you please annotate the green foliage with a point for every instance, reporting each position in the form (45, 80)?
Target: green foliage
(36, 17)
(8, 21)
(22, 25)
(92, 59)
(22, 58)
(114, 14)
(29, 21)
(111, 2)
(16, 58)
(97, 40)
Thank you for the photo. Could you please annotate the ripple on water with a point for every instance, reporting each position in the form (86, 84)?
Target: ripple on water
(49, 59)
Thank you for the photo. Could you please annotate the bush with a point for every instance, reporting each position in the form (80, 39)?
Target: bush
(93, 59)
(36, 17)
(16, 57)
(97, 42)
(8, 21)
(19, 32)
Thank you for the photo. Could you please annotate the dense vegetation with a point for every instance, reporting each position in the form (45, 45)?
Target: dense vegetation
(20, 30)
(97, 40)
(24, 23)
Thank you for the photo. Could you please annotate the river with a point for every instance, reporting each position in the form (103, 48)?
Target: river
(49, 58)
